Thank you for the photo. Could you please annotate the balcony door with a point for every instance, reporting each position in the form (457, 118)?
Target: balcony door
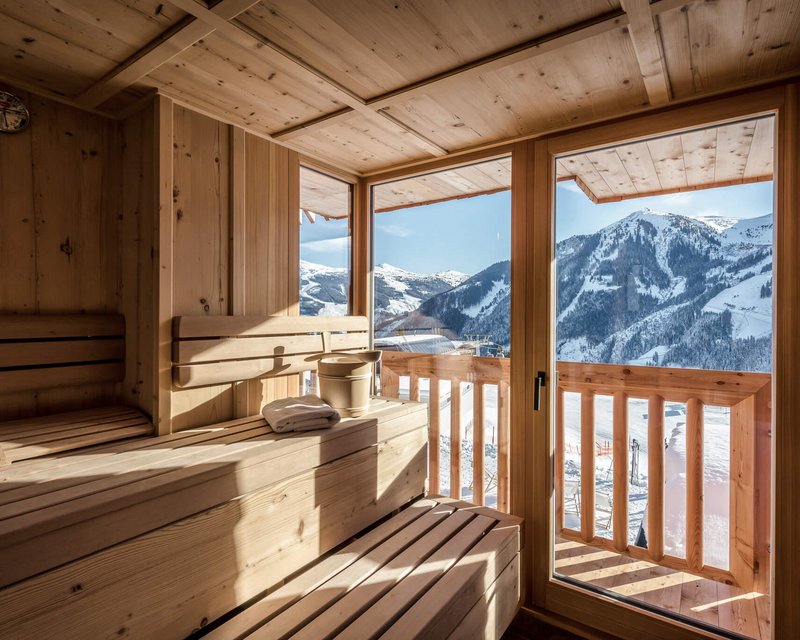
(649, 266)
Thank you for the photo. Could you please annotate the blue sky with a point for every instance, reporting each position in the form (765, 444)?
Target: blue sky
(576, 214)
(470, 234)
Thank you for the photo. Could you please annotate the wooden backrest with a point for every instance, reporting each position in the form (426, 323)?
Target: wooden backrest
(47, 351)
(210, 350)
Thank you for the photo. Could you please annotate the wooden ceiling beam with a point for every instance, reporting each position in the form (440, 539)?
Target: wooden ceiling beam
(166, 46)
(338, 91)
(527, 50)
(646, 38)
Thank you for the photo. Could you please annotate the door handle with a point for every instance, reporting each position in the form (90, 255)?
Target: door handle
(537, 390)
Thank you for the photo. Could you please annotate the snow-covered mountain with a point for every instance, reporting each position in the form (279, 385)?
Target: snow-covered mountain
(659, 288)
(480, 305)
(323, 290)
(651, 288)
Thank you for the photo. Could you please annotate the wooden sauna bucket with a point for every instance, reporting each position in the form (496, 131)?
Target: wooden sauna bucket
(345, 381)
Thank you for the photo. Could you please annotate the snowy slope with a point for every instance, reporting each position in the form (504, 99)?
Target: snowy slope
(757, 231)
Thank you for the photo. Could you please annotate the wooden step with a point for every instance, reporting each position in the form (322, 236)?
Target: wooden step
(441, 568)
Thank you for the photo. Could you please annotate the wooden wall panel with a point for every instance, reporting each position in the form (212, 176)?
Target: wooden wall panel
(272, 280)
(139, 226)
(201, 220)
(60, 230)
(235, 246)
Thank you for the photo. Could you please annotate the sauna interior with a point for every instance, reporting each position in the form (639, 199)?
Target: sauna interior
(399, 319)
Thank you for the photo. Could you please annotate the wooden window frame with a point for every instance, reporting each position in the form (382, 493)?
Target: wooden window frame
(312, 164)
(533, 188)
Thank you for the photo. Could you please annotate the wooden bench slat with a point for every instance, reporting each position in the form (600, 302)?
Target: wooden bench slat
(349, 607)
(61, 376)
(33, 326)
(95, 466)
(63, 432)
(78, 442)
(383, 613)
(66, 420)
(209, 350)
(271, 604)
(296, 616)
(442, 607)
(228, 326)
(25, 354)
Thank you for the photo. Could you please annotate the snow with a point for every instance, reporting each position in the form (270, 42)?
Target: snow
(716, 473)
(751, 314)
(647, 357)
(498, 287)
(716, 222)
(750, 231)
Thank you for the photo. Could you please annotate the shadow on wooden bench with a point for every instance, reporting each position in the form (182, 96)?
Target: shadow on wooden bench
(52, 351)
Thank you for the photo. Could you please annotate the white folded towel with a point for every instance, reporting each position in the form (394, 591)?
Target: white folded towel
(300, 414)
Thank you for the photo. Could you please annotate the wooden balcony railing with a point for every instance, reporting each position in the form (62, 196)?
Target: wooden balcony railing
(457, 369)
(748, 397)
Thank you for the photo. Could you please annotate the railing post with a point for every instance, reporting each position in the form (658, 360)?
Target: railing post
(434, 484)
(413, 386)
(558, 461)
(390, 382)
(743, 495)
(694, 484)
(619, 505)
(455, 438)
(503, 437)
(655, 478)
(587, 466)
(478, 448)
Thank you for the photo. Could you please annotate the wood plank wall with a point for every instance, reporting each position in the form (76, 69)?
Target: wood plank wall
(60, 230)
(90, 206)
(228, 243)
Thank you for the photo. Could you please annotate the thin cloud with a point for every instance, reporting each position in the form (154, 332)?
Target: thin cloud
(326, 246)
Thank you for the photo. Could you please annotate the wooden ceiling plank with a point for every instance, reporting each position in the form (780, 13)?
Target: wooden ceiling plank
(163, 48)
(337, 90)
(524, 51)
(646, 38)
(700, 155)
(762, 151)
(638, 163)
(667, 154)
(733, 147)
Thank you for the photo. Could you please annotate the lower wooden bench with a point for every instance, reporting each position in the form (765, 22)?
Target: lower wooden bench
(48, 435)
(440, 569)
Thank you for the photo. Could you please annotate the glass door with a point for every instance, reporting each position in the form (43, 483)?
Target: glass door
(661, 337)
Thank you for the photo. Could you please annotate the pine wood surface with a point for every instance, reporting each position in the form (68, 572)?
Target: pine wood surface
(440, 567)
(56, 510)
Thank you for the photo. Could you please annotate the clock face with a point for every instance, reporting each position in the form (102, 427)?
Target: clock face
(14, 114)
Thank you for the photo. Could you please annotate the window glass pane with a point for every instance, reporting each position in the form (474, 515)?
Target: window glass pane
(325, 241)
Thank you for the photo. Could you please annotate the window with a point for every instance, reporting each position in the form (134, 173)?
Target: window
(326, 205)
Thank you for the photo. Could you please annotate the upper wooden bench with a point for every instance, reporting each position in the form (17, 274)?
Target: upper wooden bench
(50, 351)
(440, 569)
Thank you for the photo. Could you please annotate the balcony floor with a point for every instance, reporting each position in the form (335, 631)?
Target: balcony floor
(688, 595)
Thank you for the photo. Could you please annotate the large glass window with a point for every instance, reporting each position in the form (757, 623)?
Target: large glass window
(663, 340)
(325, 244)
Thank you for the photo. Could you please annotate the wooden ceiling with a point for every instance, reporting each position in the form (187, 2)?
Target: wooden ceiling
(369, 84)
(735, 153)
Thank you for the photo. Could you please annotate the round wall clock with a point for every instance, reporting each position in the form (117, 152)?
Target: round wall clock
(14, 114)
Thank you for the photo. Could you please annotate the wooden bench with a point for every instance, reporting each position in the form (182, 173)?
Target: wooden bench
(48, 435)
(158, 536)
(40, 352)
(439, 569)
